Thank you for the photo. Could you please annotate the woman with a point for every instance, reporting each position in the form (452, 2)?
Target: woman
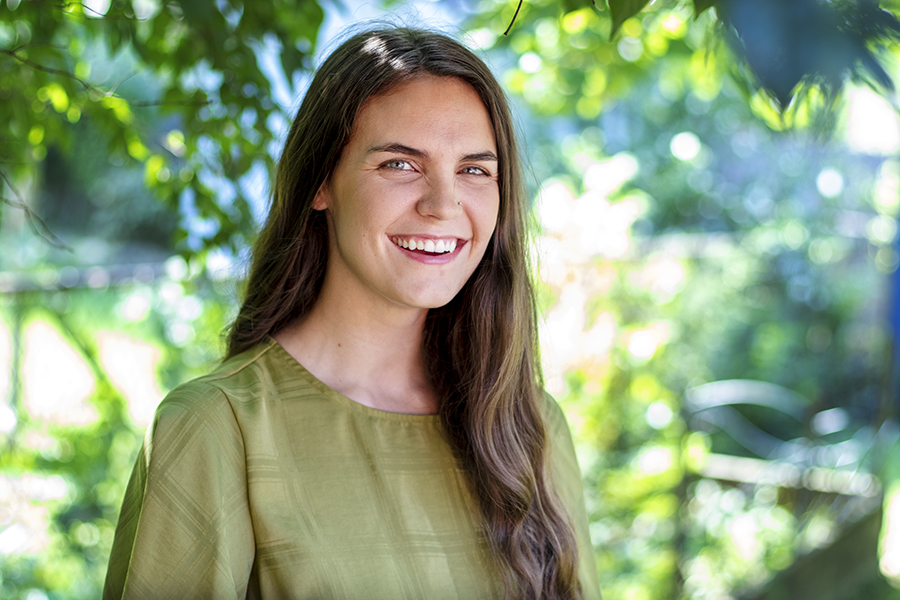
(378, 428)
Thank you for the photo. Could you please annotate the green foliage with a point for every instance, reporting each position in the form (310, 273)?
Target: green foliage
(68, 474)
(809, 43)
(198, 65)
(622, 10)
(679, 311)
(702, 5)
(787, 49)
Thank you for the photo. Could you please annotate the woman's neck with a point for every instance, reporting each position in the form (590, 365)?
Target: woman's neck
(370, 355)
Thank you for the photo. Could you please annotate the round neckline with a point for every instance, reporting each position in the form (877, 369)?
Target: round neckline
(341, 399)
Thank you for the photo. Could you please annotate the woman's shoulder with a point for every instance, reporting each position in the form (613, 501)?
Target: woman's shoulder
(557, 426)
(562, 447)
(254, 363)
(266, 363)
(238, 379)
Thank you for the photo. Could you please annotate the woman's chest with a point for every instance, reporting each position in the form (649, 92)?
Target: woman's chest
(360, 510)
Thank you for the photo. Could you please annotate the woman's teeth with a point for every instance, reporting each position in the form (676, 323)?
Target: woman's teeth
(432, 246)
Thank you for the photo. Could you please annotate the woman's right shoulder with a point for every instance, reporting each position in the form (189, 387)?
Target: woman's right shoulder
(238, 379)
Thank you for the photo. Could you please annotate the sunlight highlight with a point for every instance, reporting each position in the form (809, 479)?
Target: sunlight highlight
(56, 380)
(131, 367)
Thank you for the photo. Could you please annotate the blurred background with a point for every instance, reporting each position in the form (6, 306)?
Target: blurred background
(715, 188)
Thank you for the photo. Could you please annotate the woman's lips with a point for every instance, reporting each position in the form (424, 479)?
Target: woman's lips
(433, 250)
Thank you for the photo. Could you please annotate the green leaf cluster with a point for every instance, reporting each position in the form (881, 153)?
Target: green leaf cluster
(178, 88)
(783, 49)
(622, 10)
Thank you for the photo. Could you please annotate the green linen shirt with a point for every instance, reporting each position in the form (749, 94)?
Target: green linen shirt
(259, 481)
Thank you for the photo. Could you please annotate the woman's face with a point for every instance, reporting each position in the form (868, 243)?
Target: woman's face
(414, 198)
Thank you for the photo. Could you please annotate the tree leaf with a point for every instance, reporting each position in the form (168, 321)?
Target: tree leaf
(702, 5)
(573, 5)
(622, 10)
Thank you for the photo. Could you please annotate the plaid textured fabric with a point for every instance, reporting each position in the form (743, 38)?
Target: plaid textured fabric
(259, 481)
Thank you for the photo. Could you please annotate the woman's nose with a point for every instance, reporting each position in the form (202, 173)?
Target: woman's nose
(440, 199)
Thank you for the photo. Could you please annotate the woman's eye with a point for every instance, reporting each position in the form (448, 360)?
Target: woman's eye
(474, 171)
(398, 165)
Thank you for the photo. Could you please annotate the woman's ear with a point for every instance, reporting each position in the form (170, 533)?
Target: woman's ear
(323, 197)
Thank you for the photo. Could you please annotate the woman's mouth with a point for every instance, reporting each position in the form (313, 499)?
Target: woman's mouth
(430, 246)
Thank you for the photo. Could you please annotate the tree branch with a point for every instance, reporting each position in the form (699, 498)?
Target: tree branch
(99, 15)
(143, 103)
(52, 70)
(37, 224)
(93, 88)
(518, 7)
(35, 44)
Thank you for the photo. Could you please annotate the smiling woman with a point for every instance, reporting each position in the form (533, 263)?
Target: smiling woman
(378, 428)
(420, 168)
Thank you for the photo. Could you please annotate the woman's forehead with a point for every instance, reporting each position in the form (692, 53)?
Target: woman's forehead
(426, 110)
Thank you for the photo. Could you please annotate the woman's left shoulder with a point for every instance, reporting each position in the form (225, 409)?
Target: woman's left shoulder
(554, 417)
(567, 476)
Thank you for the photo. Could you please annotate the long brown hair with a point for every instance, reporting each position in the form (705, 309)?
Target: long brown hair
(480, 348)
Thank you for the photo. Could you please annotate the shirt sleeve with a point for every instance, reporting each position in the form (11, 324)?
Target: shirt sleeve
(567, 476)
(185, 529)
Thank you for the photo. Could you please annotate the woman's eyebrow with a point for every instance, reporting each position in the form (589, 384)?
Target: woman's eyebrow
(398, 148)
(481, 156)
(401, 149)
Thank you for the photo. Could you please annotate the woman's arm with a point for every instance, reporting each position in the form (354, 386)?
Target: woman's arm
(185, 528)
(567, 477)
